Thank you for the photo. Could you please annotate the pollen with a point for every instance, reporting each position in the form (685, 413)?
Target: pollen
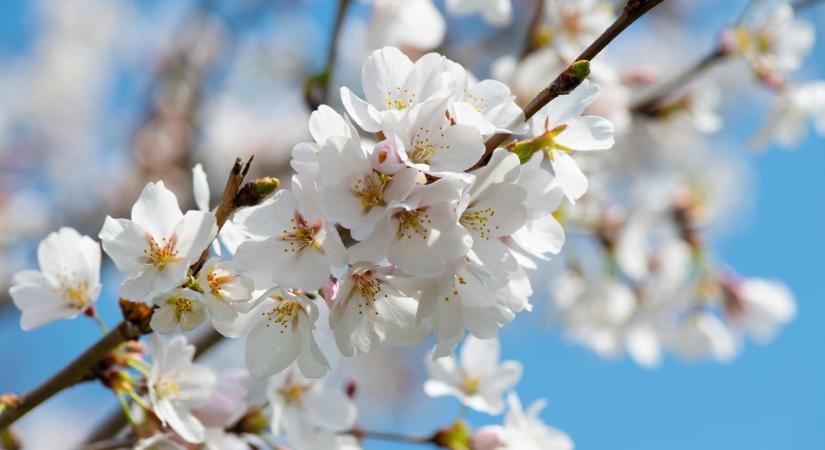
(399, 98)
(301, 234)
(182, 305)
(160, 254)
(370, 190)
(283, 314)
(74, 292)
(415, 223)
(478, 220)
(216, 280)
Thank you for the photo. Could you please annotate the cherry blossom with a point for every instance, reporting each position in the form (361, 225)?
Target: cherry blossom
(157, 246)
(67, 284)
(525, 429)
(476, 378)
(176, 385)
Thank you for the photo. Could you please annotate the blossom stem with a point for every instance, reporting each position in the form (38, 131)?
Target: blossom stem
(116, 421)
(124, 405)
(100, 323)
(565, 82)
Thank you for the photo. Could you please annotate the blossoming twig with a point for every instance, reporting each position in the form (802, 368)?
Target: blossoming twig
(135, 324)
(650, 105)
(78, 370)
(571, 77)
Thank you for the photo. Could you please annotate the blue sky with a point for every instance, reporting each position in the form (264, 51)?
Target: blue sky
(769, 398)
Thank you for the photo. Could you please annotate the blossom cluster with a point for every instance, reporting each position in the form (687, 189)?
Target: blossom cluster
(402, 224)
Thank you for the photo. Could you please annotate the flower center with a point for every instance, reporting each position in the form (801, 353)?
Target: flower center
(293, 394)
(413, 223)
(478, 221)
(302, 234)
(76, 293)
(423, 147)
(216, 280)
(471, 385)
(163, 253)
(399, 99)
(284, 313)
(370, 190)
(181, 304)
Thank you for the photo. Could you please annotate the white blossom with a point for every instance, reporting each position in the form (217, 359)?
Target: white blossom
(477, 378)
(157, 246)
(302, 409)
(525, 430)
(292, 244)
(176, 385)
(562, 129)
(67, 284)
(413, 24)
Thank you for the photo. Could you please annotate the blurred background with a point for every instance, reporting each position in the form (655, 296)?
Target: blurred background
(97, 97)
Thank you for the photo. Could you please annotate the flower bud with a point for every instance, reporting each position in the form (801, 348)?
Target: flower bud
(487, 438)
(385, 157)
(255, 191)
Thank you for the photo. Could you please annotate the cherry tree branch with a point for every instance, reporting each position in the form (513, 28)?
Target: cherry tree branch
(572, 77)
(650, 105)
(136, 315)
(79, 370)
(531, 44)
(317, 87)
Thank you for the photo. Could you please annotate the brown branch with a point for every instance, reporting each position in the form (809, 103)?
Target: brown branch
(531, 43)
(318, 87)
(565, 83)
(227, 206)
(116, 421)
(79, 370)
(135, 324)
(652, 104)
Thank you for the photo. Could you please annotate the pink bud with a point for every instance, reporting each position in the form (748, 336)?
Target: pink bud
(487, 438)
(330, 290)
(385, 157)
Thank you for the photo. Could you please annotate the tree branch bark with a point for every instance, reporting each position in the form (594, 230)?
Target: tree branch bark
(136, 323)
(563, 85)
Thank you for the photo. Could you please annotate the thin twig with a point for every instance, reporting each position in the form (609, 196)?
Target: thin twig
(318, 87)
(531, 44)
(650, 105)
(116, 421)
(135, 324)
(76, 372)
(564, 83)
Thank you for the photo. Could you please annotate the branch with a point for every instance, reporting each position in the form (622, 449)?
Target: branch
(227, 206)
(317, 87)
(531, 43)
(79, 370)
(566, 81)
(136, 315)
(651, 104)
(116, 421)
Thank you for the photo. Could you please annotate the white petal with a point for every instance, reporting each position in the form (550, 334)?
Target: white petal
(157, 210)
